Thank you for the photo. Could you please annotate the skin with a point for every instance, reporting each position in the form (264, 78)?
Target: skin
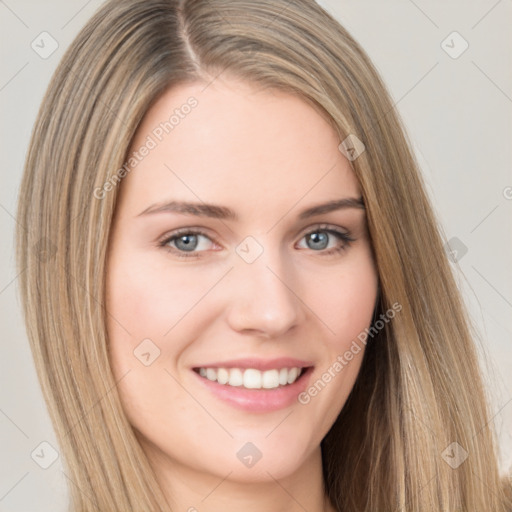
(267, 155)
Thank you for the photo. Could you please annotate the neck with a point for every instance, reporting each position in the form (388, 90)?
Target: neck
(188, 489)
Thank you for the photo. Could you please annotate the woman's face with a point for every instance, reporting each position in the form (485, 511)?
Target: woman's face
(231, 291)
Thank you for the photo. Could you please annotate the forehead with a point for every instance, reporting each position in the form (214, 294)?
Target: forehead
(232, 142)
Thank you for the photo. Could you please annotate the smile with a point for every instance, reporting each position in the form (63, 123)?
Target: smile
(251, 378)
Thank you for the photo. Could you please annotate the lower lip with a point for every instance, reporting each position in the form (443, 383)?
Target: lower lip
(258, 400)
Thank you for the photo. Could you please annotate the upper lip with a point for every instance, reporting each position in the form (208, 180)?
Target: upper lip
(259, 364)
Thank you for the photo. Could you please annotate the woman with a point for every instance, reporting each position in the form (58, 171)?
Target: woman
(239, 295)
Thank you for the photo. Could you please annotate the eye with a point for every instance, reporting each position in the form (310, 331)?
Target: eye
(327, 240)
(190, 242)
(185, 241)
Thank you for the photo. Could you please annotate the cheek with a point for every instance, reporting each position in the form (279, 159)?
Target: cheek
(144, 306)
(153, 315)
(344, 300)
(147, 301)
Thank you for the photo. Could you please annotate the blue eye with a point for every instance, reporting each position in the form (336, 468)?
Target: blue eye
(320, 239)
(190, 242)
(187, 241)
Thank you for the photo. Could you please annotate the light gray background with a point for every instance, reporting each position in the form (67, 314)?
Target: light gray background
(458, 115)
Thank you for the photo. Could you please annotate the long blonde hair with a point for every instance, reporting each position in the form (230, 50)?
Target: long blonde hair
(419, 388)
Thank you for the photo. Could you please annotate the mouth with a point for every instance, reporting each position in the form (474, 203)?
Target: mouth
(254, 385)
(252, 378)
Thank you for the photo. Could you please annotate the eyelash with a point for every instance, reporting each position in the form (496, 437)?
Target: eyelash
(345, 237)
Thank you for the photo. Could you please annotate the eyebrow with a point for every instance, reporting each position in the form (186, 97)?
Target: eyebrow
(222, 212)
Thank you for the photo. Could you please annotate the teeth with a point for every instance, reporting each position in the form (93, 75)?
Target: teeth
(252, 378)
(236, 377)
(292, 375)
(222, 376)
(270, 379)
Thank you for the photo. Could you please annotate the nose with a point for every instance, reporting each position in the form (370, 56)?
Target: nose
(264, 298)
